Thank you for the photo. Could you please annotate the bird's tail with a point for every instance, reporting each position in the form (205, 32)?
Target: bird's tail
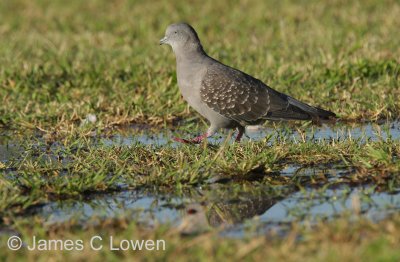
(301, 111)
(314, 112)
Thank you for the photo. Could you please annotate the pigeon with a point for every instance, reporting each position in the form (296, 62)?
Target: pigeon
(227, 97)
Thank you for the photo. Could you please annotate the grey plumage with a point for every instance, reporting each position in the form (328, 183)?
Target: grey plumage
(227, 97)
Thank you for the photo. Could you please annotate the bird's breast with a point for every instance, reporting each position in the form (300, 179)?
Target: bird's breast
(189, 82)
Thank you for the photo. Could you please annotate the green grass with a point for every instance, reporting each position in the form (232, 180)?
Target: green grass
(339, 240)
(61, 61)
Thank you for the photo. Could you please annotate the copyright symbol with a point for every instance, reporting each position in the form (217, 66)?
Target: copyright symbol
(14, 243)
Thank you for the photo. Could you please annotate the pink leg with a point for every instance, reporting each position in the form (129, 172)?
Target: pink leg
(196, 140)
(240, 134)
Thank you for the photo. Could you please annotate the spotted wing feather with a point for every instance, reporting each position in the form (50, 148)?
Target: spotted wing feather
(239, 96)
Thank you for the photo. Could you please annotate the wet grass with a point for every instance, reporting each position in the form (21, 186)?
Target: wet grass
(64, 64)
(80, 165)
(75, 166)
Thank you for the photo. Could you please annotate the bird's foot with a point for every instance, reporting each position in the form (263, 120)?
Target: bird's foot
(196, 140)
(181, 140)
(239, 135)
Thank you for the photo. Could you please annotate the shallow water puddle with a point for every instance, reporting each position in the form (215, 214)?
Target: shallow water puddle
(338, 132)
(235, 210)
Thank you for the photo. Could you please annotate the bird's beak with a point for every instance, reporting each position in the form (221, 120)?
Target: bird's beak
(163, 40)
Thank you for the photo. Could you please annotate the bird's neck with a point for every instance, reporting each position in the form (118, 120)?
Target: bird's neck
(186, 53)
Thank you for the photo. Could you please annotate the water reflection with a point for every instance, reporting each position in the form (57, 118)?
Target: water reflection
(363, 132)
(231, 208)
(234, 207)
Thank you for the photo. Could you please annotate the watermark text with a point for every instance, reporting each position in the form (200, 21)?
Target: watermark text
(95, 243)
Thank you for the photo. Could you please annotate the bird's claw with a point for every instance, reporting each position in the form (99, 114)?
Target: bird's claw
(185, 141)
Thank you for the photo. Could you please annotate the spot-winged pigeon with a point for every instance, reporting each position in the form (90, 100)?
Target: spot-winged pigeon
(227, 97)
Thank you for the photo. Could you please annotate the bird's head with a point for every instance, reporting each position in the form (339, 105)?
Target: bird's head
(181, 36)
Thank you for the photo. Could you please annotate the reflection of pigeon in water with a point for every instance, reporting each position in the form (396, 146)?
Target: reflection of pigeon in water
(194, 221)
(227, 97)
(200, 218)
(236, 212)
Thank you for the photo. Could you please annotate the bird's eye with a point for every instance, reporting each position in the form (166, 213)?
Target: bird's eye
(175, 32)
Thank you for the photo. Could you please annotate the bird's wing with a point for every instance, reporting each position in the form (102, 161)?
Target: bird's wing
(239, 96)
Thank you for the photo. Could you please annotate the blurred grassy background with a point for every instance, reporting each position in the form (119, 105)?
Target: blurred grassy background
(63, 60)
